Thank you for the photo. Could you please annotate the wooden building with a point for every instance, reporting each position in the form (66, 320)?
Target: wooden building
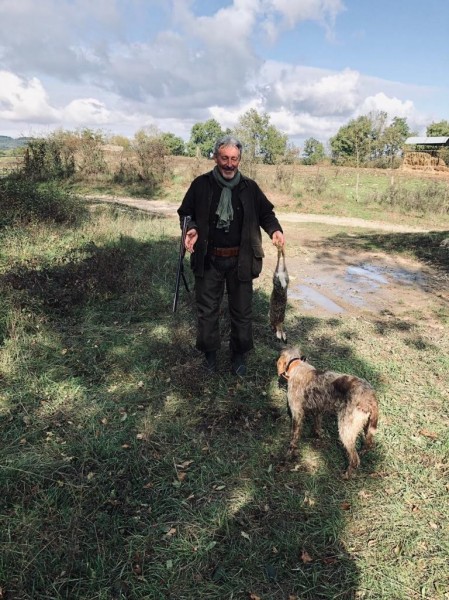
(426, 152)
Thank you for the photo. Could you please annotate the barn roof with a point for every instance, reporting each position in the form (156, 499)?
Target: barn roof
(428, 141)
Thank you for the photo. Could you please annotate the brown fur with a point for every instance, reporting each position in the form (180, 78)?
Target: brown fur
(278, 299)
(351, 398)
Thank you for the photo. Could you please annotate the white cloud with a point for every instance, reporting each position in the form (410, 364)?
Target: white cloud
(22, 100)
(76, 63)
(382, 102)
(284, 14)
(301, 10)
(87, 111)
(312, 90)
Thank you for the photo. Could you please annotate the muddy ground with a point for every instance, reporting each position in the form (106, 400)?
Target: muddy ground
(329, 279)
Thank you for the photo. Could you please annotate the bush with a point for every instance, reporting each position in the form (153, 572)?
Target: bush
(432, 197)
(22, 200)
(49, 158)
(316, 184)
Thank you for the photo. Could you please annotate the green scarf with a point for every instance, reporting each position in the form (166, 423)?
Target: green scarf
(224, 210)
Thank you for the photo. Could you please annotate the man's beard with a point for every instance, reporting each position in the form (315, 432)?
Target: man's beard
(229, 171)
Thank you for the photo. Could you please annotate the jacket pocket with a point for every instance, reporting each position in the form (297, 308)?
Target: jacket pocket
(256, 266)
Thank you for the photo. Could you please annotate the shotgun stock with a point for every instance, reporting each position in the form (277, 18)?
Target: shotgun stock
(180, 270)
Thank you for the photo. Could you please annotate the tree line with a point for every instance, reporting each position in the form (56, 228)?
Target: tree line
(369, 140)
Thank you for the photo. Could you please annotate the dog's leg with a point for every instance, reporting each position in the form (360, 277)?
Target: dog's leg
(317, 424)
(297, 415)
(349, 428)
(371, 425)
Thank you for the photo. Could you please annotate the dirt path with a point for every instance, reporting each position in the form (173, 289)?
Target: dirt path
(167, 209)
(327, 280)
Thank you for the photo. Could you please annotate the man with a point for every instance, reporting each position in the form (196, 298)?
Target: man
(226, 211)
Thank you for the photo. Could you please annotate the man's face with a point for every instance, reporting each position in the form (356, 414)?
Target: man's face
(227, 160)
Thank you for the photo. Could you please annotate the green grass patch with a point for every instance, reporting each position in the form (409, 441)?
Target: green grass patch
(127, 473)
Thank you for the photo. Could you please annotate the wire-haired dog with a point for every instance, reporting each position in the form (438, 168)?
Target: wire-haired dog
(351, 398)
(278, 299)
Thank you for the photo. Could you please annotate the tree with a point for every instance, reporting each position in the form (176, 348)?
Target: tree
(352, 143)
(262, 141)
(439, 129)
(275, 146)
(394, 138)
(368, 140)
(150, 151)
(174, 144)
(313, 152)
(203, 137)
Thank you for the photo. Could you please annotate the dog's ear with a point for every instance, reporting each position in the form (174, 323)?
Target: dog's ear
(282, 363)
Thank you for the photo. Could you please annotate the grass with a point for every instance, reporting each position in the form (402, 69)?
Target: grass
(127, 473)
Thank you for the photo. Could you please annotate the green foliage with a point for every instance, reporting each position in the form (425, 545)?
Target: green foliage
(49, 158)
(175, 145)
(352, 143)
(438, 129)
(203, 137)
(430, 198)
(150, 150)
(368, 141)
(91, 154)
(262, 142)
(313, 152)
(23, 200)
(394, 137)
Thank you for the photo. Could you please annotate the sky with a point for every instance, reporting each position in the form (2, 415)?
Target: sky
(122, 65)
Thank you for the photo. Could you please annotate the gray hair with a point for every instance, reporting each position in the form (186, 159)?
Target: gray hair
(227, 140)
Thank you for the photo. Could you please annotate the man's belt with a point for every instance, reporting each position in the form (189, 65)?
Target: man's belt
(226, 252)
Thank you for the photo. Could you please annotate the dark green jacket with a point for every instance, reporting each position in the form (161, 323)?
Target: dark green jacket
(257, 213)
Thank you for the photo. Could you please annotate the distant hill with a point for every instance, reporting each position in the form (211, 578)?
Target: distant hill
(9, 143)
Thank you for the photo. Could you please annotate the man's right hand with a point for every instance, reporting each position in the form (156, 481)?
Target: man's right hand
(190, 239)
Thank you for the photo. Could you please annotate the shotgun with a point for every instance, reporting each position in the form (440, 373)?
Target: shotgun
(180, 270)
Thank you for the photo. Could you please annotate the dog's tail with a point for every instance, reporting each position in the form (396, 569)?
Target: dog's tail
(371, 424)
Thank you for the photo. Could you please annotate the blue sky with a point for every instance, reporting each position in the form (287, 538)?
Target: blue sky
(123, 65)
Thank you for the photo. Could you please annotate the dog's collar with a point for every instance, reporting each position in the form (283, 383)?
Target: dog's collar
(291, 362)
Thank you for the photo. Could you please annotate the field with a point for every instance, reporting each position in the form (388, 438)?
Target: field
(126, 472)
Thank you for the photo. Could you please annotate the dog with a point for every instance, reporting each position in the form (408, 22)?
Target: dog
(278, 299)
(314, 392)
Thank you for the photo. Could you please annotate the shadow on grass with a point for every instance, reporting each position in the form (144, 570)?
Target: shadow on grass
(426, 247)
(128, 473)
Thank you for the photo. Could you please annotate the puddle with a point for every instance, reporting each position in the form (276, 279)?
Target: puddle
(407, 277)
(365, 271)
(362, 286)
(311, 299)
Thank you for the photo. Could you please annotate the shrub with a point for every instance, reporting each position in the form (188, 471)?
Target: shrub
(91, 154)
(49, 158)
(150, 152)
(316, 184)
(22, 200)
(284, 177)
(432, 197)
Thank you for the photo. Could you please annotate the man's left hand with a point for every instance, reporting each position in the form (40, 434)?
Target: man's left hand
(278, 239)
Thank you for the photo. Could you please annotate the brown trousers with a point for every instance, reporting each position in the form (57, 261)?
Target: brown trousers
(209, 291)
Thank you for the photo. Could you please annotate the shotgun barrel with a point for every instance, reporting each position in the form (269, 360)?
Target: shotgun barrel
(180, 269)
